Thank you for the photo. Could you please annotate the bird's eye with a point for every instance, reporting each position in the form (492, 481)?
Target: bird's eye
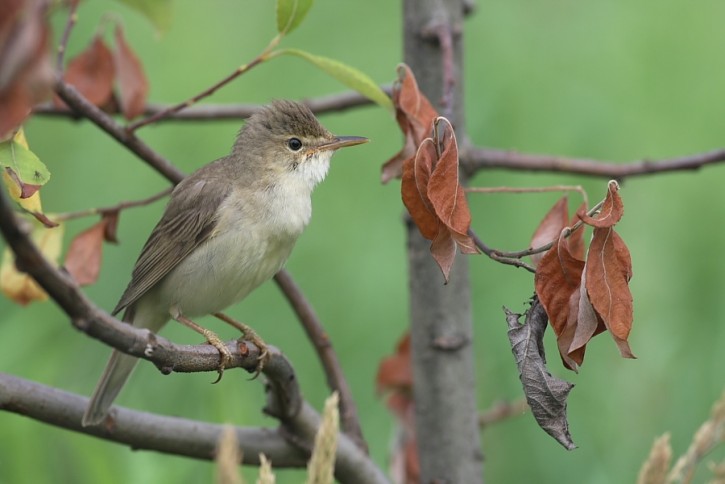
(294, 144)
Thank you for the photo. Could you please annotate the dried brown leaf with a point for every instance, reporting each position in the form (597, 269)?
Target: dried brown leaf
(558, 277)
(445, 192)
(545, 394)
(84, 257)
(415, 116)
(576, 239)
(395, 372)
(26, 75)
(92, 73)
(132, 82)
(550, 227)
(111, 227)
(414, 189)
(609, 269)
(610, 213)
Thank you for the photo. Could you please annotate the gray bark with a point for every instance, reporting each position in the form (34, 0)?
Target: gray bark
(441, 322)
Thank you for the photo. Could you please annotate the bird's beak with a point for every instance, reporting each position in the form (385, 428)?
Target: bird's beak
(341, 142)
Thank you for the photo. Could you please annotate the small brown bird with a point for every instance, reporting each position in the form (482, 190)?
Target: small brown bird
(228, 227)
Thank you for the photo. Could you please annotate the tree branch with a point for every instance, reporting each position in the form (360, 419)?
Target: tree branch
(172, 435)
(474, 159)
(215, 112)
(325, 352)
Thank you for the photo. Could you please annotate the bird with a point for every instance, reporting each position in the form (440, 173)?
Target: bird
(227, 228)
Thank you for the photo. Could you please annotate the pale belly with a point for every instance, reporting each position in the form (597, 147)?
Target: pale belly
(223, 271)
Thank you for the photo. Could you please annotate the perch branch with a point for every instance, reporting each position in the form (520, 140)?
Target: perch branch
(216, 112)
(475, 159)
(325, 352)
(189, 438)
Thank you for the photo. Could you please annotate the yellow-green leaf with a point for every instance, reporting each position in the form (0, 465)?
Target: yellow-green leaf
(290, 14)
(351, 77)
(19, 286)
(158, 12)
(24, 163)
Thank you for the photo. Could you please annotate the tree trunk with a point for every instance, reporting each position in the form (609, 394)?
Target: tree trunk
(441, 323)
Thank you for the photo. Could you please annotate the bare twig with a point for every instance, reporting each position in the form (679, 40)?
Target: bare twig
(72, 19)
(319, 105)
(325, 352)
(82, 106)
(501, 411)
(475, 159)
(62, 217)
(514, 258)
(189, 438)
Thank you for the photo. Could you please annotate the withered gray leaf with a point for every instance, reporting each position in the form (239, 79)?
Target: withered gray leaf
(545, 393)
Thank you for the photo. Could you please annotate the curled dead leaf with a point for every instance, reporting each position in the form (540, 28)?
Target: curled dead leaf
(92, 73)
(609, 269)
(611, 211)
(415, 116)
(550, 227)
(557, 281)
(132, 82)
(26, 76)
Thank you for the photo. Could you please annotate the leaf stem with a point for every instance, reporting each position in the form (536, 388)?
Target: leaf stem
(552, 188)
(62, 217)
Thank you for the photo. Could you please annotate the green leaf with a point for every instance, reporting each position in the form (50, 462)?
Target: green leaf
(290, 14)
(157, 11)
(28, 167)
(351, 77)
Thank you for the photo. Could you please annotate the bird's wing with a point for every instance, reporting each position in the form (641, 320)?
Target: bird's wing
(187, 223)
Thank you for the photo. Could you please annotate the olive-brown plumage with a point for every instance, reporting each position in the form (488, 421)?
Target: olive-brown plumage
(227, 228)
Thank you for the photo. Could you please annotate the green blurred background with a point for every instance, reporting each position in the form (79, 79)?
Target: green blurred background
(616, 80)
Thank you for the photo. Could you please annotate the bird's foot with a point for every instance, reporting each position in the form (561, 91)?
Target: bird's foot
(225, 356)
(251, 336)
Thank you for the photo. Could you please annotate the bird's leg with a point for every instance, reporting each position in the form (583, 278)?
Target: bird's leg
(251, 336)
(211, 338)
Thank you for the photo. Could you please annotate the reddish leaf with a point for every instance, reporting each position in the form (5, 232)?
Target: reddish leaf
(26, 73)
(550, 227)
(132, 81)
(611, 212)
(609, 269)
(395, 372)
(415, 116)
(587, 323)
(444, 190)
(396, 376)
(414, 189)
(557, 279)
(83, 260)
(109, 232)
(92, 73)
(576, 239)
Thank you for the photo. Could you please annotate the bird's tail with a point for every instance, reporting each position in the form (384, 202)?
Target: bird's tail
(119, 368)
(117, 371)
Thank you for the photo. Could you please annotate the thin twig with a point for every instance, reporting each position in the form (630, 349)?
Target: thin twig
(475, 159)
(63, 217)
(208, 91)
(514, 258)
(500, 411)
(208, 112)
(326, 353)
(62, 46)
